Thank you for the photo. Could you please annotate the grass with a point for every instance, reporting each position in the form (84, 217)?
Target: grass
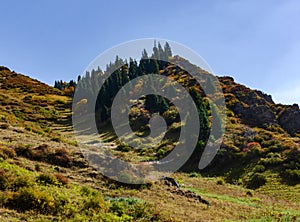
(269, 206)
(236, 200)
(45, 196)
(33, 114)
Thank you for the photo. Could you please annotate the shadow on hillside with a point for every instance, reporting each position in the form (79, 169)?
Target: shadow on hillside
(66, 122)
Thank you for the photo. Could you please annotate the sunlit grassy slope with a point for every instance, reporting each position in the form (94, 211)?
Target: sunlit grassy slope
(43, 176)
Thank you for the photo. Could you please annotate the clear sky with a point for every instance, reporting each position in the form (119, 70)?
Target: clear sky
(256, 42)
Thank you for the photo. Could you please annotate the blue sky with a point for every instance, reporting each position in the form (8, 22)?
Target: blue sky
(256, 42)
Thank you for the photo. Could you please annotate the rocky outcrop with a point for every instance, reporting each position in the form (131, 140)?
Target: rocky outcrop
(174, 188)
(3, 68)
(170, 181)
(259, 115)
(265, 96)
(258, 109)
(289, 119)
(191, 195)
(253, 107)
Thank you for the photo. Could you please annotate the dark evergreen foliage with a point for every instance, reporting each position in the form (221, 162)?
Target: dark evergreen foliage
(63, 85)
(121, 72)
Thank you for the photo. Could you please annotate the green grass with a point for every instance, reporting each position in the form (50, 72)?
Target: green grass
(253, 202)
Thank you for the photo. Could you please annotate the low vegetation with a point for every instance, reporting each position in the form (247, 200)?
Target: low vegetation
(44, 177)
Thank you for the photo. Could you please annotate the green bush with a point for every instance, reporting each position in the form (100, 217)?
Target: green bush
(293, 175)
(31, 198)
(194, 174)
(258, 138)
(268, 143)
(133, 208)
(37, 167)
(171, 115)
(46, 179)
(259, 168)
(221, 181)
(256, 181)
(4, 179)
(272, 159)
(124, 147)
(95, 203)
(277, 147)
(21, 181)
(11, 181)
(86, 191)
(250, 193)
(4, 197)
(275, 128)
(161, 153)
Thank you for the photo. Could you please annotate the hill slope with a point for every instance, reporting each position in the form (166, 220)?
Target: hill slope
(45, 178)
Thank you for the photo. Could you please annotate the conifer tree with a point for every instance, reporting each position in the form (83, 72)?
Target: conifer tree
(167, 51)
(160, 52)
(133, 69)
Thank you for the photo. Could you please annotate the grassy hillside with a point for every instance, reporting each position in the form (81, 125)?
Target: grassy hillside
(44, 176)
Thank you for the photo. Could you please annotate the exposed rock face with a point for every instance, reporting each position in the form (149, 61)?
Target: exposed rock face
(289, 119)
(253, 107)
(265, 96)
(259, 115)
(258, 109)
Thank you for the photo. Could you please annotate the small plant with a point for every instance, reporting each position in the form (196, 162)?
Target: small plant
(24, 151)
(86, 191)
(272, 159)
(60, 157)
(21, 181)
(56, 139)
(46, 179)
(250, 193)
(30, 198)
(4, 179)
(61, 179)
(160, 153)
(221, 181)
(6, 153)
(37, 167)
(194, 174)
(256, 181)
(293, 175)
(259, 168)
(124, 147)
(41, 152)
(133, 208)
(95, 203)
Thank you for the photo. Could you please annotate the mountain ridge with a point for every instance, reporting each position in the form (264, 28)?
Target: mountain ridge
(245, 102)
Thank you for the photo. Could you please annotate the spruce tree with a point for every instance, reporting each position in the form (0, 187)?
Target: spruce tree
(167, 51)
(133, 69)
